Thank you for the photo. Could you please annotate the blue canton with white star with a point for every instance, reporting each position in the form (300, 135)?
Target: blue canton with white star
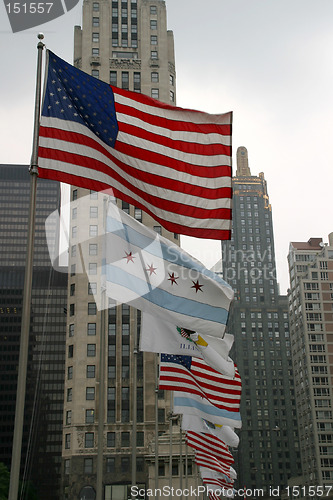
(73, 95)
(180, 360)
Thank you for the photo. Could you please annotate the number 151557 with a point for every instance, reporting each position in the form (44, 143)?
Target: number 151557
(29, 8)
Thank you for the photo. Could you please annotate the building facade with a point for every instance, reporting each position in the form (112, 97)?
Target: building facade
(125, 43)
(311, 328)
(268, 453)
(42, 438)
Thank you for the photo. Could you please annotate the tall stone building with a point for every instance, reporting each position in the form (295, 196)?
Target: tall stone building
(125, 43)
(311, 329)
(268, 453)
(42, 438)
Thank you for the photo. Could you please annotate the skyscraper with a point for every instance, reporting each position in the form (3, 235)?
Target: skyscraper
(125, 43)
(42, 439)
(311, 329)
(268, 452)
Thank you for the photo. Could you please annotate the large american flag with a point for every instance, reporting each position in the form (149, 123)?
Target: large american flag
(193, 375)
(173, 163)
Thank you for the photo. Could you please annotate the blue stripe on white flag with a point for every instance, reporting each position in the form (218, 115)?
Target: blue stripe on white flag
(209, 409)
(164, 299)
(156, 247)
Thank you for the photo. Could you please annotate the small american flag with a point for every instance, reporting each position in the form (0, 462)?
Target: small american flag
(193, 375)
(212, 445)
(204, 460)
(173, 163)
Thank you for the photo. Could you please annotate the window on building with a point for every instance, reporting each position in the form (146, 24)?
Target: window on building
(125, 80)
(91, 350)
(71, 330)
(113, 78)
(153, 39)
(154, 76)
(89, 440)
(153, 10)
(72, 309)
(93, 230)
(91, 371)
(92, 308)
(93, 249)
(155, 93)
(125, 464)
(67, 441)
(154, 54)
(92, 288)
(125, 439)
(90, 393)
(140, 438)
(95, 6)
(137, 81)
(67, 468)
(111, 439)
(71, 351)
(91, 329)
(69, 372)
(95, 22)
(90, 416)
(88, 465)
(153, 24)
(95, 37)
(68, 417)
(110, 464)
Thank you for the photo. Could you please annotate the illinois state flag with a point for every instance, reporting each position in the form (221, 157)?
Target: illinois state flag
(173, 163)
(153, 274)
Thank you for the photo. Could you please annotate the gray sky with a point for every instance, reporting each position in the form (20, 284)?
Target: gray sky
(268, 61)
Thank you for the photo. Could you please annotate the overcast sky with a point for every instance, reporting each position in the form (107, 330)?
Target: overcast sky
(268, 61)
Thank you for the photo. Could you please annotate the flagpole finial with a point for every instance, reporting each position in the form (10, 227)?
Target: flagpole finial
(40, 36)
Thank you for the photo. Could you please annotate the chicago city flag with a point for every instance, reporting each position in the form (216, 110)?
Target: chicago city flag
(156, 276)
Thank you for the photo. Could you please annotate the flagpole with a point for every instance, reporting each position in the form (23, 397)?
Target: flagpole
(134, 400)
(156, 426)
(170, 447)
(102, 379)
(180, 456)
(26, 307)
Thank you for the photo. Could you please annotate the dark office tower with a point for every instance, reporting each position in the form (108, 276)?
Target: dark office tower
(311, 331)
(42, 439)
(125, 43)
(268, 452)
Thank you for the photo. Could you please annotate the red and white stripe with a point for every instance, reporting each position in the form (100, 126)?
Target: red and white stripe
(173, 163)
(212, 445)
(206, 460)
(221, 391)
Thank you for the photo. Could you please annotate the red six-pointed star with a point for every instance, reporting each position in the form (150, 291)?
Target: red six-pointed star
(151, 269)
(197, 286)
(173, 278)
(129, 257)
